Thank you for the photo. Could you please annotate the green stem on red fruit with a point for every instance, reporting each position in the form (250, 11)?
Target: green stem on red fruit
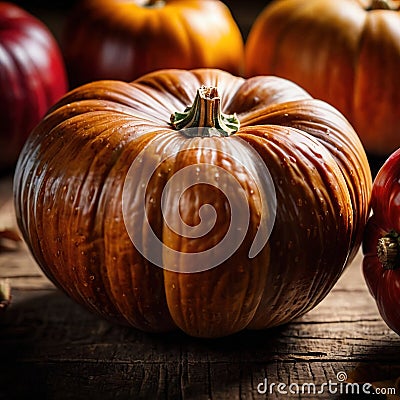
(389, 250)
(205, 116)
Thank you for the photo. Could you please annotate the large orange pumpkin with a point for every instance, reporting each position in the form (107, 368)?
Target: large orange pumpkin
(104, 171)
(119, 39)
(346, 52)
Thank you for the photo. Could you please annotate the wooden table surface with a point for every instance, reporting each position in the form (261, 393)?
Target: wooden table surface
(51, 348)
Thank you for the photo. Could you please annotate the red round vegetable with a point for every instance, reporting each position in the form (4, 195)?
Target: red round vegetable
(32, 77)
(381, 246)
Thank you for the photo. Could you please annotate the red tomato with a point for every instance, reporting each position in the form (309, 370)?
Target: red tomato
(381, 246)
(32, 78)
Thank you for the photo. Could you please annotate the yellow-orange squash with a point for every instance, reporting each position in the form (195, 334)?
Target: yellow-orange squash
(346, 52)
(80, 211)
(120, 39)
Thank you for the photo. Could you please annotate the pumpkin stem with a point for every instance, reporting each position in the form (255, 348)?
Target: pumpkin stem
(205, 115)
(389, 250)
(382, 5)
(150, 3)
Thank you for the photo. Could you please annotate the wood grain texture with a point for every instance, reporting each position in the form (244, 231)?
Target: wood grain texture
(52, 348)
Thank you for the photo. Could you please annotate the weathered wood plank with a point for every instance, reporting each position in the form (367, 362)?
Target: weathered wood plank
(169, 381)
(63, 331)
(55, 341)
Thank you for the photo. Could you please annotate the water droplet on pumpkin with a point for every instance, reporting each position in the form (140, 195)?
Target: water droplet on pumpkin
(91, 277)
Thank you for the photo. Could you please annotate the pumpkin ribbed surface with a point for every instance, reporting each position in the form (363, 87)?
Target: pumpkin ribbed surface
(72, 186)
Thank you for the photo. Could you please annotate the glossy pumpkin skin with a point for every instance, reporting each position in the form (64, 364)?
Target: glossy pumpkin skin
(68, 194)
(384, 281)
(32, 78)
(123, 40)
(345, 52)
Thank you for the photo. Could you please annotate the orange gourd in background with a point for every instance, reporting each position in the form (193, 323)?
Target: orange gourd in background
(115, 39)
(346, 52)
